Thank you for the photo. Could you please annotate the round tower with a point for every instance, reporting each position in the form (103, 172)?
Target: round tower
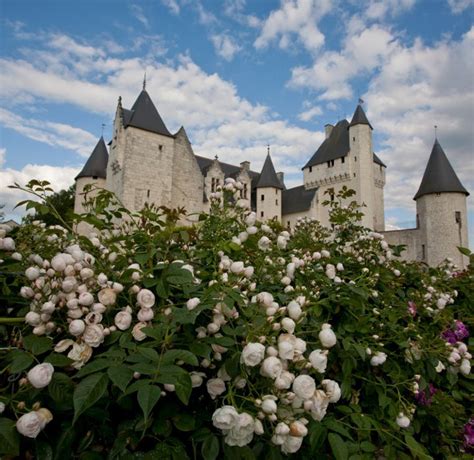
(441, 212)
(93, 172)
(268, 190)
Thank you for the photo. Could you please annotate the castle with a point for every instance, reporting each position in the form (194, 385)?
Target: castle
(147, 163)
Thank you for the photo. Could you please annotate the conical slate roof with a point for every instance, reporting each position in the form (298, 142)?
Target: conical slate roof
(96, 165)
(144, 115)
(359, 117)
(268, 176)
(439, 175)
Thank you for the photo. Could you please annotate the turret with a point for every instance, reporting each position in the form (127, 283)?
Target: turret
(268, 190)
(362, 165)
(441, 212)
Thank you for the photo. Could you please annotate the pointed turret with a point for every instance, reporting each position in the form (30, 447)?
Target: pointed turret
(96, 165)
(359, 117)
(268, 176)
(144, 115)
(439, 175)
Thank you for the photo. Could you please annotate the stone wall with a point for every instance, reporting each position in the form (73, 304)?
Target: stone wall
(83, 228)
(268, 203)
(411, 238)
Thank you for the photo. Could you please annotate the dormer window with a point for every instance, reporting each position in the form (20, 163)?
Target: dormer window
(343, 160)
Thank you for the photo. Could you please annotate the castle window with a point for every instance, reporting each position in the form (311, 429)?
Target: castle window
(417, 221)
(329, 164)
(213, 185)
(353, 138)
(354, 174)
(276, 202)
(355, 158)
(457, 216)
(310, 169)
(262, 198)
(288, 224)
(160, 148)
(423, 252)
(261, 213)
(343, 160)
(94, 177)
(332, 196)
(276, 192)
(148, 193)
(243, 192)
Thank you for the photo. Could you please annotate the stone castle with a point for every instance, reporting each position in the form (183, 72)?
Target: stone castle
(147, 163)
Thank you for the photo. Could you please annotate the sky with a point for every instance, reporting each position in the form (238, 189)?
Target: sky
(238, 75)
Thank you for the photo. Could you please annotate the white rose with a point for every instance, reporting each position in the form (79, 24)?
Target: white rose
(215, 387)
(93, 318)
(304, 386)
(225, 417)
(80, 354)
(123, 320)
(294, 310)
(332, 390)
(265, 298)
(402, 420)
(145, 314)
(252, 230)
(264, 243)
(286, 346)
(237, 267)
(465, 367)
(440, 367)
(32, 273)
(291, 444)
(281, 242)
(288, 324)
(319, 360)
(252, 354)
(378, 358)
(197, 378)
(2, 407)
(271, 367)
(298, 429)
(248, 272)
(40, 375)
(258, 427)
(251, 219)
(318, 405)
(326, 336)
(8, 244)
(330, 271)
(86, 299)
(145, 298)
(30, 424)
(107, 296)
(191, 304)
(284, 381)
(242, 432)
(32, 318)
(269, 406)
(26, 292)
(76, 327)
(93, 335)
(58, 263)
(137, 333)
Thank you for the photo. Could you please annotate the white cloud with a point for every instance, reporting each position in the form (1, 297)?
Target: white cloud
(59, 177)
(205, 17)
(458, 6)
(225, 46)
(295, 17)
(172, 5)
(379, 9)
(54, 134)
(310, 113)
(234, 9)
(3, 154)
(139, 15)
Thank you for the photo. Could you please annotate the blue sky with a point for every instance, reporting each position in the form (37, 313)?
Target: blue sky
(237, 75)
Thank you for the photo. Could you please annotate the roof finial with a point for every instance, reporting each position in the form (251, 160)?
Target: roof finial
(103, 126)
(216, 157)
(436, 132)
(361, 101)
(268, 149)
(144, 81)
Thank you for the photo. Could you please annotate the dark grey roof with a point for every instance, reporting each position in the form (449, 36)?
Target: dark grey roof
(439, 175)
(144, 115)
(96, 165)
(335, 146)
(228, 169)
(296, 199)
(268, 176)
(359, 117)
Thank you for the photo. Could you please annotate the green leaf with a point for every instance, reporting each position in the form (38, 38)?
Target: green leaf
(210, 448)
(37, 345)
(43, 450)
(94, 366)
(20, 360)
(182, 355)
(338, 447)
(149, 353)
(120, 376)
(417, 450)
(60, 387)
(58, 360)
(147, 398)
(317, 435)
(334, 425)
(9, 438)
(464, 251)
(88, 392)
(178, 377)
(201, 349)
(185, 422)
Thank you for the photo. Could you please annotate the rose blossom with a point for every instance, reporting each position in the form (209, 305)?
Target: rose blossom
(242, 432)
(225, 417)
(145, 298)
(32, 273)
(107, 296)
(379, 358)
(326, 336)
(76, 327)
(252, 354)
(137, 333)
(80, 354)
(33, 318)
(145, 314)
(291, 444)
(123, 320)
(304, 386)
(402, 420)
(191, 304)
(215, 387)
(40, 375)
(332, 390)
(294, 310)
(271, 367)
(86, 299)
(31, 424)
(319, 360)
(93, 335)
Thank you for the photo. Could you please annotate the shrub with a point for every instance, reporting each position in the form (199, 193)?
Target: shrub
(229, 339)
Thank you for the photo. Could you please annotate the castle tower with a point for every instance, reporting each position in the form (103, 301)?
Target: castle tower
(362, 166)
(268, 191)
(441, 212)
(93, 172)
(141, 155)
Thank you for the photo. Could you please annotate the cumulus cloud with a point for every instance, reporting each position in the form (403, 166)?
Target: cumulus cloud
(295, 17)
(310, 113)
(3, 154)
(60, 178)
(225, 46)
(235, 9)
(379, 9)
(458, 6)
(172, 5)
(139, 15)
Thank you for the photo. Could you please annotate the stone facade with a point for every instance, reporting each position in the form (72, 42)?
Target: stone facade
(146, 163)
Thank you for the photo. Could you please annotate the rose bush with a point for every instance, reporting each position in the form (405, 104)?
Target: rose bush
(228, 339)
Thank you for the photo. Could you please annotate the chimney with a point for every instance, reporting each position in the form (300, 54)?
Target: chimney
(328, 129)
(245, 165)
(281, 177)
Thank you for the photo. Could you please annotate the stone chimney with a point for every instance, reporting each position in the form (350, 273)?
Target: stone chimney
(281, 177)
(328, 129)
(245, 165)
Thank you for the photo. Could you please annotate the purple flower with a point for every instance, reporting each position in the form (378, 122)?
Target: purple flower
(460, 330)
(469, 434)
(449, 336)
(412, 308)
(425, 397)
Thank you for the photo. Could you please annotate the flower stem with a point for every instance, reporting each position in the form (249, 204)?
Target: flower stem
(12, 320)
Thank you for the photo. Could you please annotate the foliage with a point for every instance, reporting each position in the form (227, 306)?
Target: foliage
(174, 318)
